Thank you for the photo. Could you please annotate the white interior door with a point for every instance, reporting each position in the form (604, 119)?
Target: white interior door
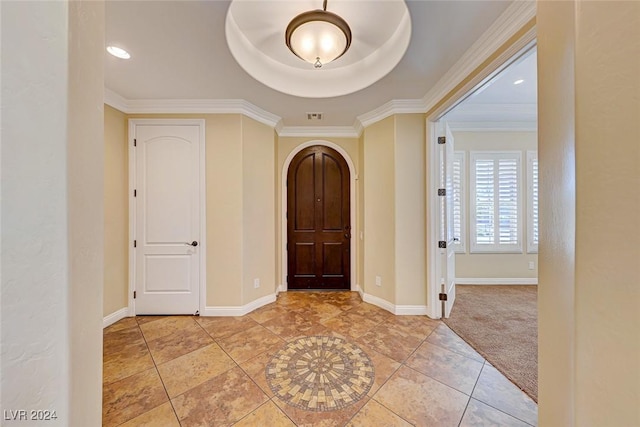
(167, 217)
(447, 237)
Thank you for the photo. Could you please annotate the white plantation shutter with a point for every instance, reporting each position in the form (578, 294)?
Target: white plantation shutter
(459, 229)
(484, 201)
(508, 201)
(496, 201)
(532, 214)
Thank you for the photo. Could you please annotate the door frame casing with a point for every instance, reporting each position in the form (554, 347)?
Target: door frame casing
(353, 177)
(434, 267)
(202, 242)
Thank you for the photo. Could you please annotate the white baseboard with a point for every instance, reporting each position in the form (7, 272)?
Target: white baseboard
(115, 316)
(399, 310)
(382, 303)
(496, 281)
(360, 291)
(281, 288)
(411, 310)
(239, 310)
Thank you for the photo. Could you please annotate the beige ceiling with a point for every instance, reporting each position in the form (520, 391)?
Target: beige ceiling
(179, 51)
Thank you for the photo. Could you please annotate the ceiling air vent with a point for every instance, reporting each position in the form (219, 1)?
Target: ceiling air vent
(314, 116)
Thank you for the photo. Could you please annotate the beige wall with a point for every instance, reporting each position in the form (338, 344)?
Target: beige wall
(85, 202)
(482, 265)
(607, 64)
(393, 218)
(410, 217)
(285, 146)
(589, 299)
(240, 175)
(258, 223)
(244, 166)
(224, 209)
(359, 234)
(116, 211)
(379, 209)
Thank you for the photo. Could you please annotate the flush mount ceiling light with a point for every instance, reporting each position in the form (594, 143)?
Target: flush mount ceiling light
(118, 52)
(318, 36)
(380, 38)
(518, 82)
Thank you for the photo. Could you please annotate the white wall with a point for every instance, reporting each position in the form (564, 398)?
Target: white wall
(52, 191)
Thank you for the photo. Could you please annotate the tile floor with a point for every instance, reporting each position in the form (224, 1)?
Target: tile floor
(210, 371)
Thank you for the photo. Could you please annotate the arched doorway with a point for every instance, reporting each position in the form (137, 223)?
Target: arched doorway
(318, 220)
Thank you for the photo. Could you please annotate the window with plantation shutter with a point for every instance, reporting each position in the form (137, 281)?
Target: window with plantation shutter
(532, 201)
(459, 223)
(496, 213)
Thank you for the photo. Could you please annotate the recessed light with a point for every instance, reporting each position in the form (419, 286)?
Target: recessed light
(118, 52)
(518, 82)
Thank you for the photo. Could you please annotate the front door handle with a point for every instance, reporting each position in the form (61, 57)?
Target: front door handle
(194, 243)
(347, 236)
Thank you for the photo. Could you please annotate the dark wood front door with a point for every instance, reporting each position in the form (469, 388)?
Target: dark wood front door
(318, 220)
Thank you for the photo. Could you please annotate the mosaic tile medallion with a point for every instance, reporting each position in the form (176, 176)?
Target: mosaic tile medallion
(320, 373)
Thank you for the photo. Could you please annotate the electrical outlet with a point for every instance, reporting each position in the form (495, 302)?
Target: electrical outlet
(378, 281)
(531, 265)
(256, 283)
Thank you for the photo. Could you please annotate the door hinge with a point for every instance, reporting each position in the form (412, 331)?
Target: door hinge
(442, 140)
(134, 294)
(442, 296)
(286, 215)
(135, 193)
(135, 243)
(287, 246)
(287, 279)
(442, 244)
(442, 191)
(135, 142)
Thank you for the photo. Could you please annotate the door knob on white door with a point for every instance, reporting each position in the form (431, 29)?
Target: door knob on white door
(194, 243)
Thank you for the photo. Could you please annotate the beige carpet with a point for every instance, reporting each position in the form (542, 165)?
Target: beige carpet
(501, 323)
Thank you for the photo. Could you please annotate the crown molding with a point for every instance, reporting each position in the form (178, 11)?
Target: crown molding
(357, 126)
(516, 16)
(115, 100)
(484, 126)
(395, 106)
(519, 13)
(190, 106)
(319, 131)
(494, 113)
(203, 106)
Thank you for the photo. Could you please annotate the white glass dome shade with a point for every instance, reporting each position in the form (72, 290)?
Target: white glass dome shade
(318, 37)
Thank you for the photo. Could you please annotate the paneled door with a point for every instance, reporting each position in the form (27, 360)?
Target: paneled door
(168, 196)
(318, 220)
(447, 236)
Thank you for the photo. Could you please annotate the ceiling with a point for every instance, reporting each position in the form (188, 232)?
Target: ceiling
(380, 37)
(179, 52)
(500, 100)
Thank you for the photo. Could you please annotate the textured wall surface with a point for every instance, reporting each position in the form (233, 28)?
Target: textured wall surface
(35, 338)
(589, 92)
(52, 135)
